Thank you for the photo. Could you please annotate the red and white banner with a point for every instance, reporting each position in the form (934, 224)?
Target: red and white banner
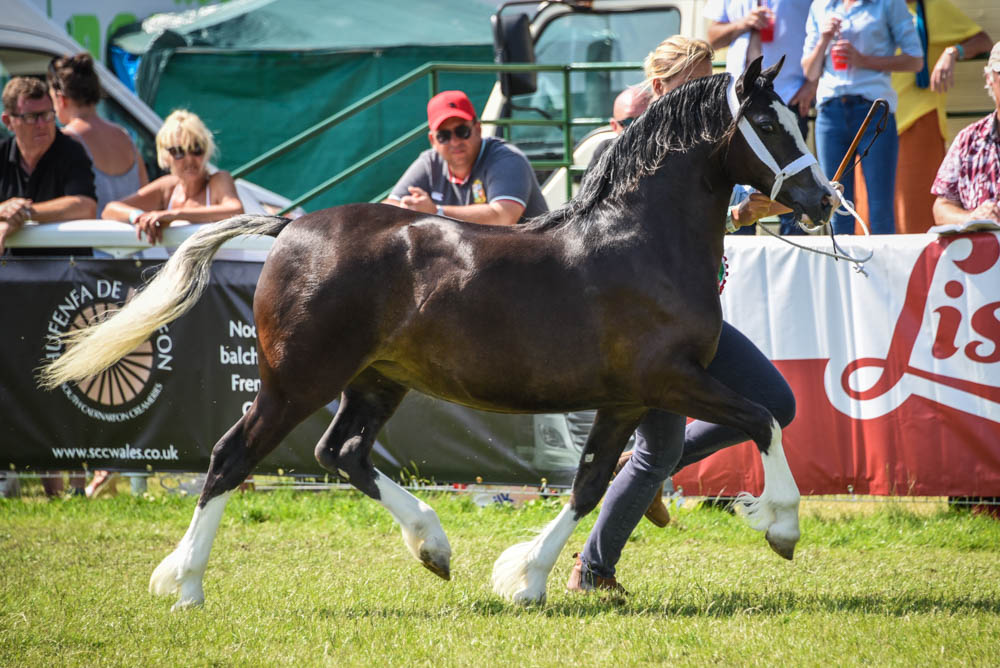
(896, 373)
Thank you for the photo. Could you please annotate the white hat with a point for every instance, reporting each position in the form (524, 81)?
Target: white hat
(994, 63)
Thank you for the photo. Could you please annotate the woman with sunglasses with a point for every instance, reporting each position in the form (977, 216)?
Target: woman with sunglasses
(189, 192)
(75, 90)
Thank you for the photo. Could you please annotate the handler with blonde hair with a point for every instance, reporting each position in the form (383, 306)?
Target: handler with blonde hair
(663, 443)
(676, 60)
(189, 192)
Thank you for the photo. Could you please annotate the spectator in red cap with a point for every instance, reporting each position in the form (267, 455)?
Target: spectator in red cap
(465, 176)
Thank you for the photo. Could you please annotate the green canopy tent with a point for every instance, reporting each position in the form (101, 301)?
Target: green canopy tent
(260, 71)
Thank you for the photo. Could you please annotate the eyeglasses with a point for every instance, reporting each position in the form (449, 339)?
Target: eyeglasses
(178, 152)
(625, 122)
(461, 131)
(33, 117)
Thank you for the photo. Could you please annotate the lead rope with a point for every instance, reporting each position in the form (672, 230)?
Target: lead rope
(845, 206)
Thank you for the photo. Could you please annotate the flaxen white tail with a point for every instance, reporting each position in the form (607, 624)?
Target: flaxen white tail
(174, 290)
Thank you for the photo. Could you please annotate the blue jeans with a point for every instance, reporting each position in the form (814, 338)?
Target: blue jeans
(837, 121)
(663, 446)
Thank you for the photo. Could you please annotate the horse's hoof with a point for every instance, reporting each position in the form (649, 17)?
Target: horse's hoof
(187, 604)
(525, 598)
(437, 564)
(785, 547)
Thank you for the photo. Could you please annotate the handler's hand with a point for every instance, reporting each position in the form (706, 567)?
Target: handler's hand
(418, 200)
(752, 209)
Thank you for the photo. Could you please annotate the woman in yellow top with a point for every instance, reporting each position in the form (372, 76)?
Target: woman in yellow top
(948, 36)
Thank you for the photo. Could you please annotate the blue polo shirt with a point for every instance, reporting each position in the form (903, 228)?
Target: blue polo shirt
(789, 34)
(873, 27)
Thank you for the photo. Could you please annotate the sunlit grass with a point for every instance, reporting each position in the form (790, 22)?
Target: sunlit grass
(323, 578)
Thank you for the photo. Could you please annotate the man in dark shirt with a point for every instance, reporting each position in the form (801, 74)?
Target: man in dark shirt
(466, 176)
(44, 175)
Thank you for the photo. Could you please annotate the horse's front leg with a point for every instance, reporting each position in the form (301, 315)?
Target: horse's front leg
(521, 572)
(236, 454)
(776, 511)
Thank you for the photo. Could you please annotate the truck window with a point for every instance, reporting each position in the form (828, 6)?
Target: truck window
(577, 37)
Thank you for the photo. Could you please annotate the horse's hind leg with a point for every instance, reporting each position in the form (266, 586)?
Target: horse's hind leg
(776, 510)
(520, 573)
(247, 442)
(345, 449)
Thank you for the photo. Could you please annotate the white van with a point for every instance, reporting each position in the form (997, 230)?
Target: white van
(28, 41)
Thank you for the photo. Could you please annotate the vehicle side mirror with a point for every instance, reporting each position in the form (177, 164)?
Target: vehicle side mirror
(512, 44)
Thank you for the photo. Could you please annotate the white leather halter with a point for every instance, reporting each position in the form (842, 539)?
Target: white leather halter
(804, 161)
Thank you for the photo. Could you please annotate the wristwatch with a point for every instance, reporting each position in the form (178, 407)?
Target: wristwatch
(440, 210)
(957, 51)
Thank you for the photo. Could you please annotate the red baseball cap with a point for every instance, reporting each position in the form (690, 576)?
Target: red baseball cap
(449, 104)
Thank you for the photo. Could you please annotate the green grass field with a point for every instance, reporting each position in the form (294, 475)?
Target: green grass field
(323, 578)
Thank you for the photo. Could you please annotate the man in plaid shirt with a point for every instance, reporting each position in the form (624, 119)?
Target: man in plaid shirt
(968, 182)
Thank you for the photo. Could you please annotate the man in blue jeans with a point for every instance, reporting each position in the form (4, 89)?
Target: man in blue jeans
(664, 444)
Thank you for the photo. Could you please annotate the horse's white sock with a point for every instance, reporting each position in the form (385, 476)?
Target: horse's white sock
(182, 570)
(520, 573)
(776, 511)
(422, 532)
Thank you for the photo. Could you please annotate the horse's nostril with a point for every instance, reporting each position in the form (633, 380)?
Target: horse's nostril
(825, 201)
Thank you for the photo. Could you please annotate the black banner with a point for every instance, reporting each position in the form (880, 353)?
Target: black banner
(163, 407)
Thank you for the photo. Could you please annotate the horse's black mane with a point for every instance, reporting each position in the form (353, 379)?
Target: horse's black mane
(692, 114)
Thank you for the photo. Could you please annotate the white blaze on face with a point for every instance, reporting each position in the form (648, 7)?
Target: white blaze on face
(790, 122)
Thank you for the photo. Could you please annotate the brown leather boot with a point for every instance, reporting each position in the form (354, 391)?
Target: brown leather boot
(583, 580)
(657, 512)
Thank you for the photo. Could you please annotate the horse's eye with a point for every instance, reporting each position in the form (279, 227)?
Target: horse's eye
(767, 126)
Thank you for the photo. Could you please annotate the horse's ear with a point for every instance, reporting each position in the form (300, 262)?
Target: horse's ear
(746, 81)
(770, 73)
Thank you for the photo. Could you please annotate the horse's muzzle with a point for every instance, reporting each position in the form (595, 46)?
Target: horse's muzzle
(812, 217)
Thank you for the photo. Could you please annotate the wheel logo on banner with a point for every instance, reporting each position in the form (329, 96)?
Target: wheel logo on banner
(126, 389)
(125, 379)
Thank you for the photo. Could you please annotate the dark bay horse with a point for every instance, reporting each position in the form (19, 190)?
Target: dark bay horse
(610, 302)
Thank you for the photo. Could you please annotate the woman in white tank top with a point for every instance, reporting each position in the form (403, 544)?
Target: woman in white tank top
(76, 90)
(189, 192)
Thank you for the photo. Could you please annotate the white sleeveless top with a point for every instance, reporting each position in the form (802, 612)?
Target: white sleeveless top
(208, 196)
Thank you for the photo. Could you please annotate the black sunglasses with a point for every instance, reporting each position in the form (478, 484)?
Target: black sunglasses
(178, 152)
(461, 131)
(625, 122)
(37, 116)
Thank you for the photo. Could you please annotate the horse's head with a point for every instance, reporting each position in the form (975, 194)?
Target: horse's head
(767, 150)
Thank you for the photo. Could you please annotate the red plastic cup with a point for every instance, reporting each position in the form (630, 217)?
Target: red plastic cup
(767, 32)
(839, 59)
